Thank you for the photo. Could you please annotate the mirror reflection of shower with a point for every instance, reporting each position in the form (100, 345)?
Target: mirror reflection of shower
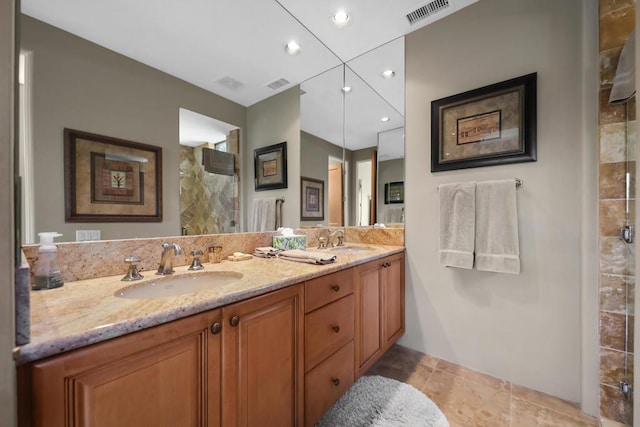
(209, 175)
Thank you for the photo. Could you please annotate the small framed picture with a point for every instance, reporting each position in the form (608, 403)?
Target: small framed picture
(394, 192)
(488, 126)
(312, 197)
(270, 165)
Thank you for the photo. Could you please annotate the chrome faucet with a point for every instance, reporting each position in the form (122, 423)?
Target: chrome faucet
(338, 234)
(169, 250)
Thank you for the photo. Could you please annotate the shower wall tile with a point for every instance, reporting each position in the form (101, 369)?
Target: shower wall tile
(612, 331)
(607, 6)
(617, 293)
(616, 257)
(615, 27)
(608, 65)
(612, 403)
(613, 145)
(612, 367)
(612, 179)
(612, 217)
(610, 113)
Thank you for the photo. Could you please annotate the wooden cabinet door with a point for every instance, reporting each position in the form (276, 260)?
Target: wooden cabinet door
(392, 274)
(167, 375)
(368, 315)
(262, 360)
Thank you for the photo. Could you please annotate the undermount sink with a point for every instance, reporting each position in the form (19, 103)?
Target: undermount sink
(350, 249)
(171, 286)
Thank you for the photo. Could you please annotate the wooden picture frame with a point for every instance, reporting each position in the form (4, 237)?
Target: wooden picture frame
(111, 180)
(488, 126)
(312, 199)
(270, 167)
(394, 192)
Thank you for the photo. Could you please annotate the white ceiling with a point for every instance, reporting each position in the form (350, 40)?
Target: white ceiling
(235, 48)
(196, 128)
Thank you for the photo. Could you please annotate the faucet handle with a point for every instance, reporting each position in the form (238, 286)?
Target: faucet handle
(132, 273)
(196, 264)
(340, 240)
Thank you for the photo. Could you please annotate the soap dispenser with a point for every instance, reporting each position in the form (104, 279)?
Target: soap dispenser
(48, 274)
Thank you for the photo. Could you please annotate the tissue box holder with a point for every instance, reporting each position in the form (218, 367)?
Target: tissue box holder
(289, 242)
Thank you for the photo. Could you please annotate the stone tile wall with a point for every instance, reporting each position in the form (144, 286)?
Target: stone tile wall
(617, 266)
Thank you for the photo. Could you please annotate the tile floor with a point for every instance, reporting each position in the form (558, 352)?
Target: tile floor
(470, 398)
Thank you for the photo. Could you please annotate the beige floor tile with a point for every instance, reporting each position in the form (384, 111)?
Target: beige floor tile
(468, 403)
(528, 414)
(471, 375)
(406, 365)
(554, 403)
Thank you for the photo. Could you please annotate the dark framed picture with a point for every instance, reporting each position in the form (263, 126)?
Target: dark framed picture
(312, 197)
(111, 180)
(394, 192)
(270, 167)
(489, 126)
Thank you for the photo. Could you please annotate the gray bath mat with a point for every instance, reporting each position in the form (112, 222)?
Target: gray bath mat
(383, 402)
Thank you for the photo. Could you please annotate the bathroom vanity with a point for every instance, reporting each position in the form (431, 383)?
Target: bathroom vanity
(278, 347)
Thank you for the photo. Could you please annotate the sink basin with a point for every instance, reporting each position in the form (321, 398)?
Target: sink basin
(172, 286)
(350, 249)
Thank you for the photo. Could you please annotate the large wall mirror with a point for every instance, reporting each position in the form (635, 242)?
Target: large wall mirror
(76, 80)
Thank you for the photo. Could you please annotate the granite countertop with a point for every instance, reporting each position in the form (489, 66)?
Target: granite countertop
(85, 312)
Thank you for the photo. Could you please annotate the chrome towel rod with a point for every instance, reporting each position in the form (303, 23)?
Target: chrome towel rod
(519, 183)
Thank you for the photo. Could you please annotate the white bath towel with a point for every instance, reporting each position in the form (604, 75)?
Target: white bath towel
(307, 256)
(497, 247)
(457, 224)
(264, 215)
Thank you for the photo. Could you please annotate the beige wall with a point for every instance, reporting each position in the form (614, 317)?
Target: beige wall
(525, 328)
(314, 163)
(7, 336)
(82, 86)
(275, 120)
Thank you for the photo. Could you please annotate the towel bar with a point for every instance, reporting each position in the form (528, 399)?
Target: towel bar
(519, 183)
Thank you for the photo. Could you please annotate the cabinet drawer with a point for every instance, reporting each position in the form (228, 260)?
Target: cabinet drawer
(324, 384)
(327, 329)
(325, 289)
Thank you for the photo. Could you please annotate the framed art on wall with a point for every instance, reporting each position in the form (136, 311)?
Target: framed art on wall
(394, 192)
(270, 167)
(111, 180)
(488, 126)
(312, 197)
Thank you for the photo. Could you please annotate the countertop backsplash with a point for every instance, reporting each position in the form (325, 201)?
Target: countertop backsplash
(87, 260)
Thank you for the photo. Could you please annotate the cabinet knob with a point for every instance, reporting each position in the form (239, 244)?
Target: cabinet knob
(216, 328)
(336, 329)
(336, 381)
(234, 321)
(336, 288)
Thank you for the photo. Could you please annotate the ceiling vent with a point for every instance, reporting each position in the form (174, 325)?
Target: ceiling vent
(229, 82)
(278, 84)
(427, 10)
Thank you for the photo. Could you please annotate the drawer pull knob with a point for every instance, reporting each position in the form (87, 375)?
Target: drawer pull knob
(336, 329)
(336, 288)
(336, 381)
(234, 321)
(216, 328)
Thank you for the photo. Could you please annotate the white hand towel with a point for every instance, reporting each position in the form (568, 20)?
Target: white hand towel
(457, 224)
(497, 247)
(264, 215)
(308, 257)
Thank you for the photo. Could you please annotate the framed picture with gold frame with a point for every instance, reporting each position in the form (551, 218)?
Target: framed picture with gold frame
(111, 180)
(488, 126)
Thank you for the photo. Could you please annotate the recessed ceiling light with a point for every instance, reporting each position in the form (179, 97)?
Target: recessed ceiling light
(346, 89)
(340, 18)
(385, 119)
(292, 48)
(388, 74)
